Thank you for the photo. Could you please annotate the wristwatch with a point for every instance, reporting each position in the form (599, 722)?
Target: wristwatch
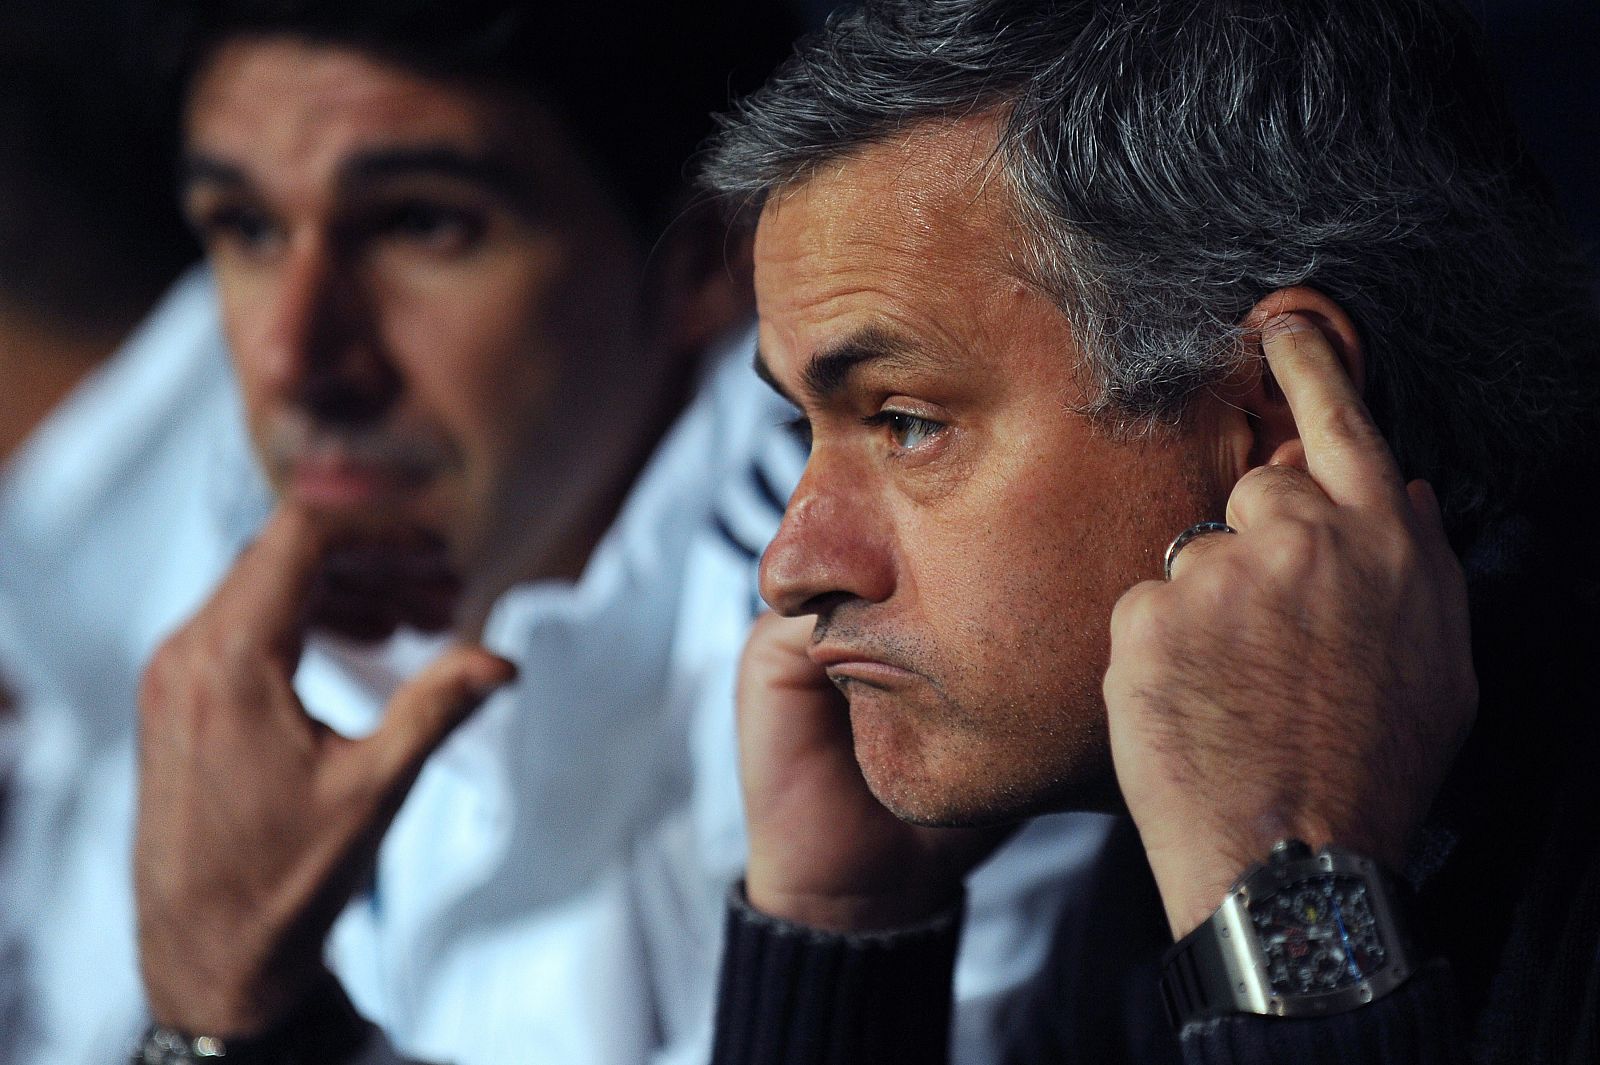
(1299, 935)
(325, 1029)
(166, 1046)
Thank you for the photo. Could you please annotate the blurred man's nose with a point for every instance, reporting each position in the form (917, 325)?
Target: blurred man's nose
(833, 545)
(323, 339)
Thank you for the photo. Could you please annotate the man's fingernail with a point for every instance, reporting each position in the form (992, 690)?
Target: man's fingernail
(1286, 325)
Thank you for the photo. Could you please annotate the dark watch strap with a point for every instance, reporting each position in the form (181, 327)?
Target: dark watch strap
(1193, 977)
(325, 1030)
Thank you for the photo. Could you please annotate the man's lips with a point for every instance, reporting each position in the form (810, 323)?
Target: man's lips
(845, 663)
(333, 480)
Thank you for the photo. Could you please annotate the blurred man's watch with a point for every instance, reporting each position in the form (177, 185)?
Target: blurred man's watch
(326, 1029)
(1299, 935)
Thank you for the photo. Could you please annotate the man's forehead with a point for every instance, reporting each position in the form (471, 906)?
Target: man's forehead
(934, 176)
(286, 82)
(289, 102)
(891, 238)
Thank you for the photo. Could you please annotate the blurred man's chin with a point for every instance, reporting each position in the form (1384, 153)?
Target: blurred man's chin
(370, 589)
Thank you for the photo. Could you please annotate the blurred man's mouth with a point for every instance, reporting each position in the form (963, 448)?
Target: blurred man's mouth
(353, 469)
(339, 482)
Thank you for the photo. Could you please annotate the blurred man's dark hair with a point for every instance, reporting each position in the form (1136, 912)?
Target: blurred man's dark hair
(633, 83)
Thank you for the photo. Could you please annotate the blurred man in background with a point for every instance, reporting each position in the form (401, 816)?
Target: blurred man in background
(88, 231)
(489, 306)
(469, 305)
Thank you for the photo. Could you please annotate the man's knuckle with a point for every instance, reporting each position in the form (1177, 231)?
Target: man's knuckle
(1274, 478)
(168, 679)
(1292, 547)
(1136, 619)
(233, 646)
(1350, 424)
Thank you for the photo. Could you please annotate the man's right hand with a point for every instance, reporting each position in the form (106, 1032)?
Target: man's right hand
(257, 823)
(823, 851)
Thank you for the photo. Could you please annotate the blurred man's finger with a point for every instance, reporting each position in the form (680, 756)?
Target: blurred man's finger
(266, 591)
(424, 712)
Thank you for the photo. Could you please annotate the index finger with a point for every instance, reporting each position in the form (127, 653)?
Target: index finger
(1344, 451)
(266, 591)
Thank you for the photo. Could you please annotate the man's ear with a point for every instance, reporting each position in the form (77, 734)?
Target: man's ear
(1268, 419)
(703, 280)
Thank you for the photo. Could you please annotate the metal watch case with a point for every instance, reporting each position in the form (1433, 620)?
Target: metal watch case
(1300, 935)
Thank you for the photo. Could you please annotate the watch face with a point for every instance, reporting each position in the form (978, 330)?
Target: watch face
(1318, 935)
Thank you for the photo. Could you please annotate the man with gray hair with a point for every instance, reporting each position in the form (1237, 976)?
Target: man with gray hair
(1049, 283)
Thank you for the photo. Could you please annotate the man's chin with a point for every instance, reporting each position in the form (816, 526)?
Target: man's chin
(932, 782)
(387, 572)
(950, 779)
(934, 803)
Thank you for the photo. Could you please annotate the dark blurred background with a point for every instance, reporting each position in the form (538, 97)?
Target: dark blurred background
(88, 219)
(1549, 55)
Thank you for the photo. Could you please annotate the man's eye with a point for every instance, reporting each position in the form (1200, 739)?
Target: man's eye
(909, 431)
(434, 226)
(243, 228)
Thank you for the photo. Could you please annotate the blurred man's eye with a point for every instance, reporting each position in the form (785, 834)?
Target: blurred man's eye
(433, 227)
(238, 228)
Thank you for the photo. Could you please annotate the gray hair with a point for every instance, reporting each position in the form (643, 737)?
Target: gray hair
(1174, 161)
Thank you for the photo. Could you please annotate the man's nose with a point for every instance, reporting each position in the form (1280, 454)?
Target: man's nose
(833, 545)
(322, 338)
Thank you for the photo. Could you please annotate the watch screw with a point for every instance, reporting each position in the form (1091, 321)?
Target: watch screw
(1290, 850)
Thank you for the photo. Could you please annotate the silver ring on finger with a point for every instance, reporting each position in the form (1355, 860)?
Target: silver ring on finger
(1193, 532)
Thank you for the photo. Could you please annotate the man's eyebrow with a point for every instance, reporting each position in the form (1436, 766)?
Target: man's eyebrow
(195, 169)
(493, 172)
(829, 371)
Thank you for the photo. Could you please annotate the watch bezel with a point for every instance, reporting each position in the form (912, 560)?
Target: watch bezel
(1245, 959)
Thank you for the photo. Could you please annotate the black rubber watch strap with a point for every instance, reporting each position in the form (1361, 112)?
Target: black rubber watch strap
(1191, 986)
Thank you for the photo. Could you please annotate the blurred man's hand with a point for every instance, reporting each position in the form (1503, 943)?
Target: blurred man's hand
(1308, 678)
(256, 823)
